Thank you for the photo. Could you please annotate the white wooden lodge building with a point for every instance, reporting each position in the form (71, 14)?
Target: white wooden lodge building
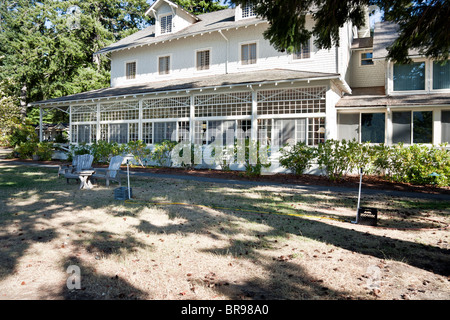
(193, 78)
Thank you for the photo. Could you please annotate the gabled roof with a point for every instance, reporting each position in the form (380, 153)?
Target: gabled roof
(157, 3)
(208, 22)
(205, 82)
(385, 33)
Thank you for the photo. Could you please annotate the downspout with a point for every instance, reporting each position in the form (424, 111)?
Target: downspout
(226, 59)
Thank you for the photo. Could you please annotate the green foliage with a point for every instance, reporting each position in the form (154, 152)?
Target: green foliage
(200, 6)
(27, 149)
(141, 153)
(255, 156)
(297, 158)
(9, 113)
(416, 164)
(47, 46)
(22, 132)
(162, 153)
(334, 157)
(44, 150)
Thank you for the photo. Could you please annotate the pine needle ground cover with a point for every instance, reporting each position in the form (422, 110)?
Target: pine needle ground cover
(182, 239)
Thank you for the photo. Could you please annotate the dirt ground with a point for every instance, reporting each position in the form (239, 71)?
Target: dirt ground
(181, 239)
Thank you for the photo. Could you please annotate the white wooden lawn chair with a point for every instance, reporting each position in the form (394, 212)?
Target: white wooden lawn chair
(62, 169)
(112, 173)
(82, 162)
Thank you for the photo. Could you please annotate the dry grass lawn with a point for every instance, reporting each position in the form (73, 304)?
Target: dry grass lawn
(244, 242)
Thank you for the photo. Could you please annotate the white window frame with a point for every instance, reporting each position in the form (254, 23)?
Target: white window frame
(361, 58)
(170, 65)
(249, 9)
(160, 18)
(248, 65)
(432, 78)
(126, 69)
(311, 53)
(427, 81)
(196, 60)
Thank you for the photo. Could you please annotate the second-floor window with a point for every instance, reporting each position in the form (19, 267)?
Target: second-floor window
(248, 53)
(203, 60)
(166, 24)
(409, 77)
(130, 70)
(366, 58)
(164, 65)
(441, 75)
(303, 53)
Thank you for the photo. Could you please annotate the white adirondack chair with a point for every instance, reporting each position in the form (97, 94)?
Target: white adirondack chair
(81, 162)
(112, 173)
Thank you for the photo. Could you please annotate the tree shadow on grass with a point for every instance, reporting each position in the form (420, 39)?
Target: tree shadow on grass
(92, 285)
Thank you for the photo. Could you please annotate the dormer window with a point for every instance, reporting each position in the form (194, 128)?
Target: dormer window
(166, 24)
(248, 11)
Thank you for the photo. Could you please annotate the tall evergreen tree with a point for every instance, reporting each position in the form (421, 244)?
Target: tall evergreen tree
(200, 6)
(48, 45)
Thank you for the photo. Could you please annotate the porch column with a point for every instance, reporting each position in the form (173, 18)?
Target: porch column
(98, 133)
(140, 136)
(40, 125)
(254, 128)
(437, 127)
(191, 119)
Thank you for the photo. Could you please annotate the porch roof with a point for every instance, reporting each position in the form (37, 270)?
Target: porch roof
(205, 82)
(373, 97)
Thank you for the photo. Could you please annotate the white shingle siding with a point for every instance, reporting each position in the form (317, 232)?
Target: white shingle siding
(366, 76)
(183, 54)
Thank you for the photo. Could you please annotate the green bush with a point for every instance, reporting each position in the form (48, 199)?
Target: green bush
(416, 164)
(333, 156)
(26, 149)
(297, 158)
(139, 151)
(44, 150)
(162, 153)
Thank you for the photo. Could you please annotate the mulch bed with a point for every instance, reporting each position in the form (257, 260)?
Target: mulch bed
(351, 181)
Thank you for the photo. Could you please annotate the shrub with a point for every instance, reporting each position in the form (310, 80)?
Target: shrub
(333, 157)
(103, 151)
(255, 156)
(297, 158)
(44, 150)
(162, 153)
(25, 150)
(139, 151)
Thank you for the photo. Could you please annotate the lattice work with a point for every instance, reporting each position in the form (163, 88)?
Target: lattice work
(86, 113)
(133, 132)
(292, 101)
(183, 131)
(222, 105)
(147, 132)
(166, 108)
(128, 110)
